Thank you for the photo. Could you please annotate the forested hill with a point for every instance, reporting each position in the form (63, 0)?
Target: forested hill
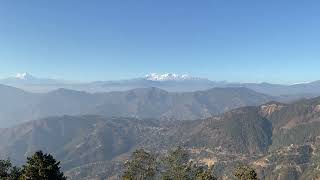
(19, 106)
(258, 135)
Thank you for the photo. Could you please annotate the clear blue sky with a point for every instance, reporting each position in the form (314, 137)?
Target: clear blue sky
(234, 40)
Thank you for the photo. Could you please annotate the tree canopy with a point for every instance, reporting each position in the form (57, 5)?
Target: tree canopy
(176, 165)
(42, 166)
(8, 171)
(39, 166)
(142, 166)
(245, 173)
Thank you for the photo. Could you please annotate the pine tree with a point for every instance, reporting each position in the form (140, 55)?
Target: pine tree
(9, 172)
(176, 165)
(245, 173)
(142, 166)
(203, 173)
(42, 166)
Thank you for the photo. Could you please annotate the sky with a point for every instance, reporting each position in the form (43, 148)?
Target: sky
(274, 41)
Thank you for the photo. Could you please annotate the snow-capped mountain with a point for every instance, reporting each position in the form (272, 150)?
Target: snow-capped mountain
(24, 76)
(29, 82)
(27, 78)
(170, 77)
(170, 82)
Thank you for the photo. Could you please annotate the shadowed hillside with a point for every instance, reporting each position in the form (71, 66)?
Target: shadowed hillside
(20, 106)
(263, 136)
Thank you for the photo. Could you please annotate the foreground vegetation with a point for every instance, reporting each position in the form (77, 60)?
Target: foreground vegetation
(176, 165)
(39, 166)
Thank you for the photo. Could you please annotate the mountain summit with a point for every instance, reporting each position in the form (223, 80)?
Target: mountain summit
(170, 77)
(24, 76)
(171, 82)
(29, 82)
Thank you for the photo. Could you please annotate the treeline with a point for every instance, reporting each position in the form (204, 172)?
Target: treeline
(143, 165)
(39, 166)
(176, 165)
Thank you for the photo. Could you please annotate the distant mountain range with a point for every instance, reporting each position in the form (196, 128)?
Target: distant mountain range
(170, 82)
(19, 106)
(26, 79)
(93, 127)
(280, 140)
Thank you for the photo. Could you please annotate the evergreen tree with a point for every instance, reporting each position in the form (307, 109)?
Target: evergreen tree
(203, 173)
(245, 173)
(9, 172)
(5, 166)
(176, 165)
(42, 166)
(142, 166)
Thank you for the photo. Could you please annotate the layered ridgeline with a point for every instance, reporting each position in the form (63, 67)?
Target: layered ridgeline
(280, 140)
(20, 106)
(170, 82)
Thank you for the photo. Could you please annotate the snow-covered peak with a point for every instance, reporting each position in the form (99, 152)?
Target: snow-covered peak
(169, 77)
(24, 76)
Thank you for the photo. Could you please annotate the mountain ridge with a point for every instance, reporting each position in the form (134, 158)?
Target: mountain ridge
(257, 135)
(170, 82)
(140, 103)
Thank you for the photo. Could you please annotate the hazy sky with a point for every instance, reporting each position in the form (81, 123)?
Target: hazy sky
(234, 40)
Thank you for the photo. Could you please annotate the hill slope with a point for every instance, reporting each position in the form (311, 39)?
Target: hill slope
(277, 139)
(19, 106)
